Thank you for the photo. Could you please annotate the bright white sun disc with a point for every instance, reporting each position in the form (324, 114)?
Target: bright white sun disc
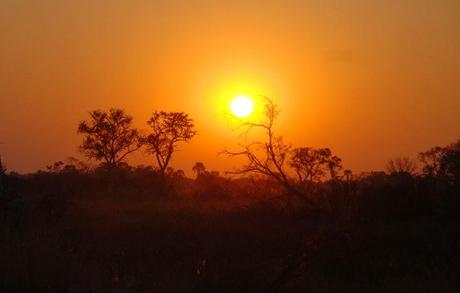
(241, 106)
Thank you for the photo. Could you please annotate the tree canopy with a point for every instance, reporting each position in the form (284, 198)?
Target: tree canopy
(168, 129)
(109, 136)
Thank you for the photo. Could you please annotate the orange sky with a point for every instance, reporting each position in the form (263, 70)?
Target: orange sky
(369, 79)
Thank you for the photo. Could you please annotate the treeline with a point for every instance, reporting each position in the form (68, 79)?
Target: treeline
(294, 177)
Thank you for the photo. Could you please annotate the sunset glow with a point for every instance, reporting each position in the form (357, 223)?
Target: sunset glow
(198, 56)
(229, 146)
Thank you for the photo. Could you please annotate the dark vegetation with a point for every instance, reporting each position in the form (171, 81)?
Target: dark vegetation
(296, 222)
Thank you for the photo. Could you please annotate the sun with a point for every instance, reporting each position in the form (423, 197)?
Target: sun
(241, 106)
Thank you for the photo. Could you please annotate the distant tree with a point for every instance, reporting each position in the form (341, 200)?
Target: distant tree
(214, 173)
(334, 165)
(311, 165)
(199, 169)
(308, 164)
(109, 137)
(170, 171)
(2, 177)
(401, 165)
(168, 130)
(2, 167)
(77, 164)
(450, 162)
(348, 175)
(56, 167)
(179, 173)
(431, 160)
(71, 165)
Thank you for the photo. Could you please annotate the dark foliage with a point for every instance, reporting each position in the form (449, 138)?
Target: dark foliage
(72, 229)
(292, 223)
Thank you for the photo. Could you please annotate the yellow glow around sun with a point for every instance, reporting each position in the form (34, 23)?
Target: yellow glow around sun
(242, 106)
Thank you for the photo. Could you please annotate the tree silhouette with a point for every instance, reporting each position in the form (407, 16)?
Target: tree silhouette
(199, 168)
(2, 175)
(334, 165)
(450, 162)
(432, 160)
(308, 164)
(56, 167)
(2, 167)
(109, 137)
(179, 173)
(311, 165)
(268, 157)
(168, 130)
(348, 175)
(401, 165)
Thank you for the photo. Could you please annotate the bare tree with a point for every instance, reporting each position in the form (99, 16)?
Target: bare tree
(402, 165)
(109, 136)
(168, 130)
(269, 157)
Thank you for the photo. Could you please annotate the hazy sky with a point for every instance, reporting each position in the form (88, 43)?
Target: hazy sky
(369, 79)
